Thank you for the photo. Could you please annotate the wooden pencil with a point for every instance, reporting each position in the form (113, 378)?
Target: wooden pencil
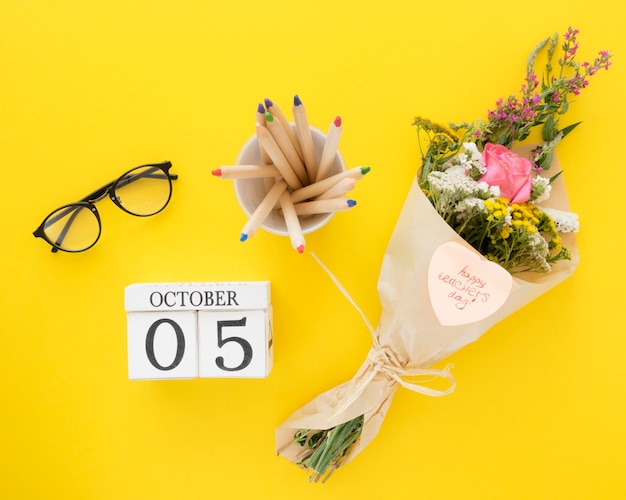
(263, 210)
(260, 119)
(303, 132)
(278, 158)
(246, 171)
(324, 206)
(280, 136)
(330, 149)
(317, 188)
(293, 223)
(342, 187)
(275, 110)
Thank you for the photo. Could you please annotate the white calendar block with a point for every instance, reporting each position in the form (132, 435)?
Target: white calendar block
(234, 344)
(189, 330)
(162, 345)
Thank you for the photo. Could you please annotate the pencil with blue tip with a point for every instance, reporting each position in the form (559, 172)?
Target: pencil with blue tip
(324, 206)
(303, 132)
(263, 210)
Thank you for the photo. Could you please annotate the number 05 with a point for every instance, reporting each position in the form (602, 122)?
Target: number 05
(222, 340)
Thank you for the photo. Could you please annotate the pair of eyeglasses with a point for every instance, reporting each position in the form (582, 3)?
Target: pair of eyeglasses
(76, 227)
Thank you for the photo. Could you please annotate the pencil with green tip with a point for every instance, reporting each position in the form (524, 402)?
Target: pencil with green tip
(280, 136)
(275, 110)
(263, 210)
(278, 158)
(317, 188)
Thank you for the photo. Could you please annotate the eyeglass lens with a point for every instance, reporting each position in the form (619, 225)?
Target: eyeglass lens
(73, 228)
(143, 191)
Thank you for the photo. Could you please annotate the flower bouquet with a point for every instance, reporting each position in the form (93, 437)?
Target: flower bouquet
(484, 230)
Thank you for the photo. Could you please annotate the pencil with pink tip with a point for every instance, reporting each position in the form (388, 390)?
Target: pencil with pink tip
(293, 223)
(330, 149)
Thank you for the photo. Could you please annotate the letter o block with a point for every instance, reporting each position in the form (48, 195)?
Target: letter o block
(190, 330)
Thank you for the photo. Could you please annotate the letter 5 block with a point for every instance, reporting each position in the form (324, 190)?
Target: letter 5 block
(186, 330)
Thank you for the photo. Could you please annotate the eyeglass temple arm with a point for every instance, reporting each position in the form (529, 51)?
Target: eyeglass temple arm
(156, 172)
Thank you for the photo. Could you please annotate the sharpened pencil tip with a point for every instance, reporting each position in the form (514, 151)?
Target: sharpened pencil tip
(217, 172)
(365, 170)
(269, 117)
(351, 203)
(297, 101)
(300, 249)
(268, 103)
(337, 121)
(243, 237)
(260, 109)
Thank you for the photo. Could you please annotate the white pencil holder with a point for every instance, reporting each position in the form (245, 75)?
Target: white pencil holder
(251, 191)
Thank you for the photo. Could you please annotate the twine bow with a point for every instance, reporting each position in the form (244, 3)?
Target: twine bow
(382, 360)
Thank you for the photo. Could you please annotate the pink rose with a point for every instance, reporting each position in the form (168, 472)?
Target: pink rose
(511, 173)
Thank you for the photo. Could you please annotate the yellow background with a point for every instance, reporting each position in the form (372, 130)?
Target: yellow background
(90, 89)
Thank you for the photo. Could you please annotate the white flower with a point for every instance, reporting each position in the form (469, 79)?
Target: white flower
(541, 189)
(566, 222)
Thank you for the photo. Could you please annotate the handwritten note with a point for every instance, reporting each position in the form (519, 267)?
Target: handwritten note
(463, 286)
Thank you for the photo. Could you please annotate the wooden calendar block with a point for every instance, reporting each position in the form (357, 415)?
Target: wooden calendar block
(235, 343)
(187, 330)
(162, 345)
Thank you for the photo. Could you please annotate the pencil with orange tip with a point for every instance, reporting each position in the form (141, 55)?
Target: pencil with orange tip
(280, 136)
(293, 223)
(324, 206)
(330, 149)
(317, 188)
(275, 110)
(278, 158)
(339, 189)
(303, 132)
(263, 210)
(246, 171)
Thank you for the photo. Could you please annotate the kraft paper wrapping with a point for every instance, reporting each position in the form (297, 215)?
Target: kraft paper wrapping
(409, 337)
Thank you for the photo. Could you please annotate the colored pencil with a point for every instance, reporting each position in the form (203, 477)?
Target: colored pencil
(330, 149)
(303, 132)
(280, 136)
(278, 158)
(339, 189)
(275, 110)
(317, 188)
(262, 210)
(324, 206)
(246, 171)
(293, 223)
(260, 119)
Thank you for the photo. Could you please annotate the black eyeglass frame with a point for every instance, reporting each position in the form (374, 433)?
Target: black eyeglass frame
(97, 195)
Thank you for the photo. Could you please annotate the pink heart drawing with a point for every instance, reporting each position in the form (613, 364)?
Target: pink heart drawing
(464, 287)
